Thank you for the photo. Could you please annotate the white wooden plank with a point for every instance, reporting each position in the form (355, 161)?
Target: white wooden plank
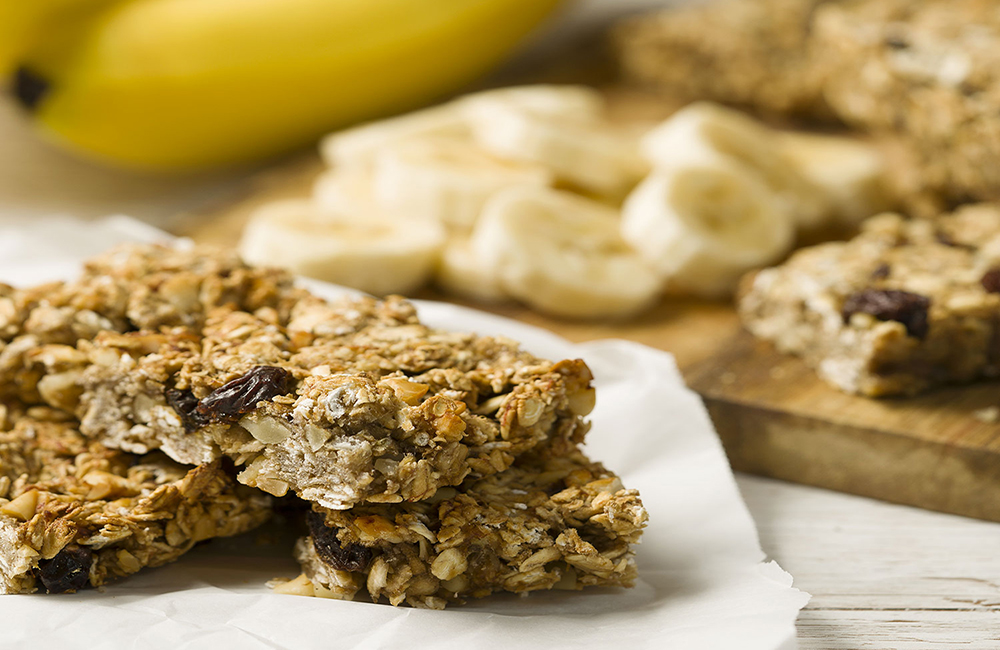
(881, 575)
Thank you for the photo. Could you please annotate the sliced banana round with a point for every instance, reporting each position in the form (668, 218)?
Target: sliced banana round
(562, 254)
(585, 154)
(850, 172)
(702, 226)
(359, 144)
(377, 255)
(446, 179)
(704, 133)
(564, 102)
(346, 190)
(461, 271)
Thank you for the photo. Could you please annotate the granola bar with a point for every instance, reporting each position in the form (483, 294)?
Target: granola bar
(929, 70)
(75, 514)
(904, 306)
(126, 289)
(554, 522)
(746, 52)
(340, 402)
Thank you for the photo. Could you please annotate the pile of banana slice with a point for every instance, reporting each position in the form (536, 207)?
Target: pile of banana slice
(532, 193)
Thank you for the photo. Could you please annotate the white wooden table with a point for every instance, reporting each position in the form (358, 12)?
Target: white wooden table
(881, 575)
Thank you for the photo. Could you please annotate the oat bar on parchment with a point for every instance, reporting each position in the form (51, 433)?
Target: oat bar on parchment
(341, 402)
(548, 522)
(904, 306)
(75, 514)
(129, 288)
(388, 413)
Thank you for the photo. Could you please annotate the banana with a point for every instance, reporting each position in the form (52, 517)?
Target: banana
(583, 152)
(446, 179)
(562, 254)
(189, 84)
(704, 225)
(850, 172)
(462, 272)
(25, 24)
(379, 256)
(706, 133)
(360, 144)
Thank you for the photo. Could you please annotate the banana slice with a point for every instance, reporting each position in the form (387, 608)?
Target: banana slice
(706, 133)
(584, 153)
(562, 254)
(376, 255)
(446, 179)
(572, 103)
(346, 190)
(850, 172)
(360, 144)
(702, 226)
(462, 272)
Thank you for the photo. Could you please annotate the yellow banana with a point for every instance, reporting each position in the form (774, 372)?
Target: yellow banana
(188, 84)
(26, 22)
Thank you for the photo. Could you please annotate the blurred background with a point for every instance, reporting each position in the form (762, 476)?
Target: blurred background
(38, 176)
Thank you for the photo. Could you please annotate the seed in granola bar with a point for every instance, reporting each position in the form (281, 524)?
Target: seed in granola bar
(991, 281)
(185, 403)
(68, 571)
(896, 42)
(904, 307)
(353, 557)
(241, 395)
(881, 272)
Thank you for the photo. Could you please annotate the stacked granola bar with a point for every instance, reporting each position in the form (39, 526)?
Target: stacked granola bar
(354, 407)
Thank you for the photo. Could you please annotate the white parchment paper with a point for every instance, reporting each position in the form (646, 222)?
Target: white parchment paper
(703, 579)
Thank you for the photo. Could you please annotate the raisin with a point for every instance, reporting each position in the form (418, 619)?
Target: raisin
(68, 571)
(185, 403)
(241, 395)
(904, 307)
(945, 239)
(353, 557)
(881, 272)
(991, 281)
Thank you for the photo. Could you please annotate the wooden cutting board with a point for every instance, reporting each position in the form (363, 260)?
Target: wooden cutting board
(775, 418)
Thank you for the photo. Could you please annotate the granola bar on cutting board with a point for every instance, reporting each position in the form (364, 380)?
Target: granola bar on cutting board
(904, 306)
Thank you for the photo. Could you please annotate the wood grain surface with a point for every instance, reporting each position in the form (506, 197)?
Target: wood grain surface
(774, 416)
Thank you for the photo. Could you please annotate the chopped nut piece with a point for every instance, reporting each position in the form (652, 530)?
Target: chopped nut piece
(268, 430)
(300, 586)
(22, 507)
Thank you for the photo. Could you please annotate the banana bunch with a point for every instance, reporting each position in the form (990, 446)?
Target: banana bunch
(189, 84)
(532, 193)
